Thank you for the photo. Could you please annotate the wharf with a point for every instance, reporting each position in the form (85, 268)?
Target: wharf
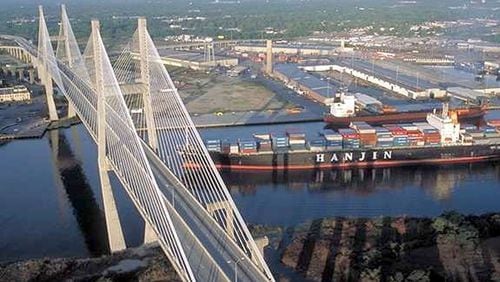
(254, 118)
(37, 130)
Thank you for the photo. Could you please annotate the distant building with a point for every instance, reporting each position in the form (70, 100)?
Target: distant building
(14, 94)
(194, 60)
(303, 50)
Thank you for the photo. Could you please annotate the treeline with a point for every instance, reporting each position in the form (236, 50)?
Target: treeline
(244, 20)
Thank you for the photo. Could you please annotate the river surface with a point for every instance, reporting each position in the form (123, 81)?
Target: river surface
(50, 203)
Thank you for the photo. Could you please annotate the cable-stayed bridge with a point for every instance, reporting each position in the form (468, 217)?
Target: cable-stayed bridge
(146, 137)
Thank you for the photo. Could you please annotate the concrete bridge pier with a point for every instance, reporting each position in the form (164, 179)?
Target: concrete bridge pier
(31, 76)
(21, 74)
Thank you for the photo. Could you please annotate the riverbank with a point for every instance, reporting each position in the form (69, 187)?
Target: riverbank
(450, 247)
(145, 263)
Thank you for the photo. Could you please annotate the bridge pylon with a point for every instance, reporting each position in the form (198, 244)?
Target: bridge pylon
(64, 48)
(146, 82)
(149, 235)
(44, 47)
(113, 225)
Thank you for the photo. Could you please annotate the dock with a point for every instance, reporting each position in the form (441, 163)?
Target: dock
(254, 118)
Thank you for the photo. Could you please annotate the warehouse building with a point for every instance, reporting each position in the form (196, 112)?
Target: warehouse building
(411, 87)
(303, 50)
(305, 83)
(14, 94)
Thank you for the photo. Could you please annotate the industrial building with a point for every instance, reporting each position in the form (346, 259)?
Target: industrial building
(14, 94)
(194, 60)
(295, 77)
(303, 50)
(411, 87)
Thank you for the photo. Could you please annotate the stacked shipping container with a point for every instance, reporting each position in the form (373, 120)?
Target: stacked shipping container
(367, 134)
(213, 145)
(296, 140)
(359, 135)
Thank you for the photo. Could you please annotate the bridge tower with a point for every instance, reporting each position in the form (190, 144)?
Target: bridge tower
(44, 50)
(115, 233)
(149, 235)
(145, 80)
(64, 47)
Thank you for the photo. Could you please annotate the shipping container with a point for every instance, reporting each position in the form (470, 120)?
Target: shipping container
(262, 136)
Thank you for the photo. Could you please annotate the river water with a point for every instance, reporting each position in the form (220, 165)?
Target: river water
(50, 202)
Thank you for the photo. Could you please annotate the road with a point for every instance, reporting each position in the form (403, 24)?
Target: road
(201, 241)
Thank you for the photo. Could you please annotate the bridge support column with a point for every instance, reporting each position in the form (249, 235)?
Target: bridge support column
(31, 76)
(114, 228)
(21, 74)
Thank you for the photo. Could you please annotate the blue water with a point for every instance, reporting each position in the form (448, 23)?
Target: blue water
(368, 193)
(51, 205)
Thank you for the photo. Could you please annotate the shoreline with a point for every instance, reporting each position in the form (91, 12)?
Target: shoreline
(450, 246)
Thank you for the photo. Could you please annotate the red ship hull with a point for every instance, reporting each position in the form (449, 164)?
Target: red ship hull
(463, 115)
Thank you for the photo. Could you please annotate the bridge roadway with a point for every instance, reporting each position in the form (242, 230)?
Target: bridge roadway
(184, 209)
(210, 252)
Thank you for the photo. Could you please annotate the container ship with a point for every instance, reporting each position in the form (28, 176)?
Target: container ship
(343, 111)
(439, 140)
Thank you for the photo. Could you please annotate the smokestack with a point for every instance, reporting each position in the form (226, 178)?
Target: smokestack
(269, 57)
